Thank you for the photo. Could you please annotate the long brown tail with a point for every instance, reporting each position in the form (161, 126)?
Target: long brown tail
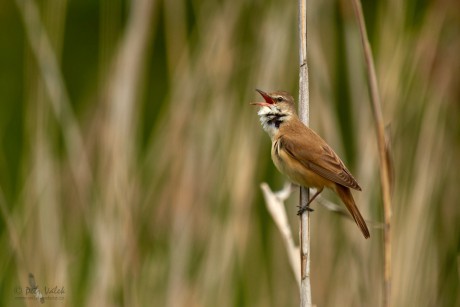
(345, 195)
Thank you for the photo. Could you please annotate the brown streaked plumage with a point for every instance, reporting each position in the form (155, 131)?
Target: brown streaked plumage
(303, 156)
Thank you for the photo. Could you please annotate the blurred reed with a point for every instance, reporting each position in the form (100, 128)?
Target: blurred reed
(142, 186)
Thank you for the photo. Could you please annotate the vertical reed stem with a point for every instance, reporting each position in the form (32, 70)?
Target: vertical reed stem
(305, 285)
(384, 167)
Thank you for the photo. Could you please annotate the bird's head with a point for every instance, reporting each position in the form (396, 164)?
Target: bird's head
(280, 99)
(276, 109)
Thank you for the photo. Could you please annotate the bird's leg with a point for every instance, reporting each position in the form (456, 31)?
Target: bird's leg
(307, 206)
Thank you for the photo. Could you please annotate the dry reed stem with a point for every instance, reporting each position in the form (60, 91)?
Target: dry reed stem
(275, 206)
(383, 150)
(304, 105)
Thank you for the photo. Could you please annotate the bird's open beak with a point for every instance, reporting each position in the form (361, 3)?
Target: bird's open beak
(268, 100)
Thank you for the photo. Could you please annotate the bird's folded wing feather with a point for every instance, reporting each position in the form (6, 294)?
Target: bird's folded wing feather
(318, 157)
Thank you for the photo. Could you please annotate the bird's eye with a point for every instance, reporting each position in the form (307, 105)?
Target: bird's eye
(279, 99)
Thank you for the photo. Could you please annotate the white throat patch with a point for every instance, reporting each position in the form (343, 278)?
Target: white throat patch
(270, 118)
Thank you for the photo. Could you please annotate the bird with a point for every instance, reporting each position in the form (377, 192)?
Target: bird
(303, 156)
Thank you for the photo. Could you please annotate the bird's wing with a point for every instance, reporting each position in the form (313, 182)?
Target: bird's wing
(313, 152)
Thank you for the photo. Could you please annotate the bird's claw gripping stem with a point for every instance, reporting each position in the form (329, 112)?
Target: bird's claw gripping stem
(303, 209)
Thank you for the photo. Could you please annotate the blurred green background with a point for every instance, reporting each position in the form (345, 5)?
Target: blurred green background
(131, 159)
